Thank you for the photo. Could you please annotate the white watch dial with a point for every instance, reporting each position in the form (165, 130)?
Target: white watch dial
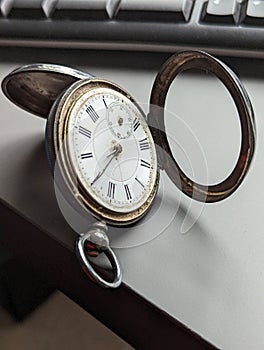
(112, 150)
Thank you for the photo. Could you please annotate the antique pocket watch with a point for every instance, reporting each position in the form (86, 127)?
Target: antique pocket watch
(107, 153)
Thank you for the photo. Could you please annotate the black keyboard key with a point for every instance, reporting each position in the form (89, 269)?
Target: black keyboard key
(155, 10)
(26, 9)
(80, 10)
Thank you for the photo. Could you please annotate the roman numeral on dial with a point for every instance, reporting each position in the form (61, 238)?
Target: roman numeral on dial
(128, 194)
(105, 103)
(138, 181)
(86, 155)
(93, 115)
(145, 164)
(136, 124)
(85, 132)
(111, 189)
(143, 144)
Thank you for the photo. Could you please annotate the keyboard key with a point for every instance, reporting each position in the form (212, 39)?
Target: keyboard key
(5, 7)
(26, 9)
(112, 7)
(222, 11)
(155, 10)
(48, 6)
(81, 9)
(255, 12)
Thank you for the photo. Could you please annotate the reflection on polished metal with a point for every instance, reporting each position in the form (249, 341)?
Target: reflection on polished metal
(96, 240)
(170, 69)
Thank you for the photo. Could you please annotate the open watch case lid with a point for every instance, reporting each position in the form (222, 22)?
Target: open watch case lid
(35, 87)
(176, 64)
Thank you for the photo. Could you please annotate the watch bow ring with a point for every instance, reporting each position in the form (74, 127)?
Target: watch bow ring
(102, 148)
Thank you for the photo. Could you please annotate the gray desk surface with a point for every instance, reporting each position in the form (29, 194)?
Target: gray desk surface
(209, 278)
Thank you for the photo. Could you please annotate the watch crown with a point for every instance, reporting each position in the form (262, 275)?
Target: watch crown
(96, 238)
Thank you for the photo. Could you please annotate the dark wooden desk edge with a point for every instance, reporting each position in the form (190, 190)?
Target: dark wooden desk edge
(126, 313)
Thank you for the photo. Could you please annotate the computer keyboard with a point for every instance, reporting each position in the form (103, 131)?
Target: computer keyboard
(225, 27)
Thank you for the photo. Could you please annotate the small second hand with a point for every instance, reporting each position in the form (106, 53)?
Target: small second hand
(117, 150)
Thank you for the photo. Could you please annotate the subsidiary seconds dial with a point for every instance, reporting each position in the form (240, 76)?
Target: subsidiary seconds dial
(112, 151)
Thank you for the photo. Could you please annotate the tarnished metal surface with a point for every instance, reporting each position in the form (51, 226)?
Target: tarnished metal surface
(170, 69)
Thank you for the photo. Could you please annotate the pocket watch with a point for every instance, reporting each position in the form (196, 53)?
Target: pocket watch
(108, 154)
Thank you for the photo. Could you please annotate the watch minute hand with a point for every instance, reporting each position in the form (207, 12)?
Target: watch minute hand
(117, 150)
